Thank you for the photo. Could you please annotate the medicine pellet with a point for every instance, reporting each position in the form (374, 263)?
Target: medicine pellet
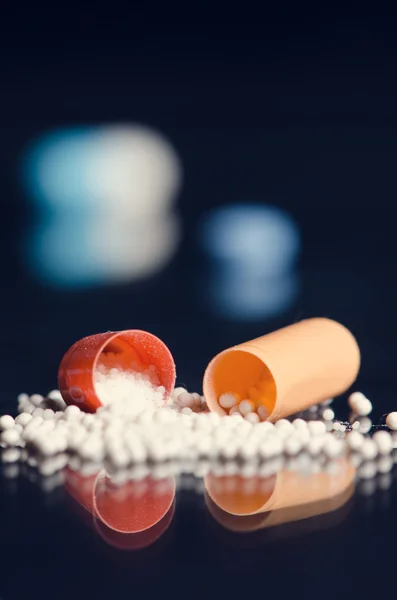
(134, 426)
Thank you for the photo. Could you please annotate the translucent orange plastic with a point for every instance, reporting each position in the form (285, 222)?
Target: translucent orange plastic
(287, 496)
(288, 370)
(113, 349)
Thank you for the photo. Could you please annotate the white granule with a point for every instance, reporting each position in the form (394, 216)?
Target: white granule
(127, 386)
(135, 426)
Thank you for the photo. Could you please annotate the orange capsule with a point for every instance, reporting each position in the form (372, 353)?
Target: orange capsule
(127, 349)
(294, 368)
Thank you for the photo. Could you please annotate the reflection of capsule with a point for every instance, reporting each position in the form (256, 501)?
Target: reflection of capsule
(282, 498)
(129, 517)
(252, 251)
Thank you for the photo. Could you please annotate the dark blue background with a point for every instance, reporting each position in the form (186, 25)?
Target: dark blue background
(294, 108)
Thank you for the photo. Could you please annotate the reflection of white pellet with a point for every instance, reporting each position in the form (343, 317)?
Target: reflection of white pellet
(369, 449)
(385, 464)
(383, 441)
(355, 440)
(10, 437)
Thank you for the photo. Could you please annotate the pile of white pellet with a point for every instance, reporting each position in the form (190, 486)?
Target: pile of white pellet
(130, 430)
(120, 385)
(252, 408)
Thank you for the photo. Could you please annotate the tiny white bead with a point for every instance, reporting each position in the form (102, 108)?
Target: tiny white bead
(213, 419)
(385, 464)
(293, 445)
(6, 422)
(36, 399)
(246, 406)
(38, 412)
(55, 395)
(365, 425)
(185, 400)
(284, 424)
(235, 411)
(177, 391)
(248, 450)
(360, 404)
(48, 414)
(299, 424)
(271, 447)
(252, 417)
(364, 407)
(186, 411)
(333, 447)
(316, 428)
(10, 437)
(73, 413)
(354, 399)
(315, 445)
(92, 448)
(263, 413)
(228, 400)
(10, 455)
(23, 419)
(328, 414)
(367, 470)
(369, 449)
(391, 421)
(355, 459)
(383, 441)
(355, 440)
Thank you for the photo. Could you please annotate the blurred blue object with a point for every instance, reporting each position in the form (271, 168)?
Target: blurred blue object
(83, 252)
(245, 298)
(257, 237)
(253, 250)
(104, 204)
(54, 169)
(127, 169)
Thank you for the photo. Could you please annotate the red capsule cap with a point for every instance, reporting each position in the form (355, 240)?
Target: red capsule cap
(124, 349)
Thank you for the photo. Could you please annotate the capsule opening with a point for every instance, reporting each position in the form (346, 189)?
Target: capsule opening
(118, 353)
(137, 351)
(243, 374)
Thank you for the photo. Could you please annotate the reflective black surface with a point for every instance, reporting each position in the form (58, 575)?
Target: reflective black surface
(294, 113)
